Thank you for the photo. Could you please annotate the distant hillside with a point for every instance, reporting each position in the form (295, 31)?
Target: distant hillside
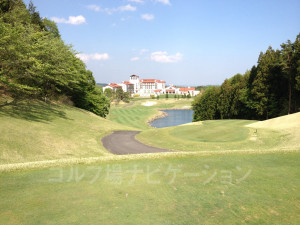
(102, 84)
(204, 87)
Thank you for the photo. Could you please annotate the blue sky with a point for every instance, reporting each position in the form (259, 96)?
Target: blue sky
(185, 42)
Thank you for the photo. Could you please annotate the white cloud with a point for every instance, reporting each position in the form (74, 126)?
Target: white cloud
(75, 20)
(134, 59)
(58, 20)
(94, 8)
(147, 17)
(137, 1)
(163, 57)
(95, 56)
(166, 2)
(127, 8)
(98, 56)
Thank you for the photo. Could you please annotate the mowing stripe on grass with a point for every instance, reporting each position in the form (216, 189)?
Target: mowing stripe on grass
(92, 160)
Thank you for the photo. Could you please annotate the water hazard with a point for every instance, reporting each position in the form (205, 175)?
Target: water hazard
(174, 118)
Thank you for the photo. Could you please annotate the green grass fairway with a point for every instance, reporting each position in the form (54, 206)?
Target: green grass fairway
(135, 116)
(214, 131)
(235, 189)
(34, 131)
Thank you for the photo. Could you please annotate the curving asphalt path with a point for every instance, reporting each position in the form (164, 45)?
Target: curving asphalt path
(124, 142)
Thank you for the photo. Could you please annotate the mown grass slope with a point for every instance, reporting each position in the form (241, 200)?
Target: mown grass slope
(286, 122)
(35, 131)
(289, 124)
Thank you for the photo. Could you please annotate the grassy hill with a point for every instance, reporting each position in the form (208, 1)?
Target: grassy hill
(35, 131)
(288, 122)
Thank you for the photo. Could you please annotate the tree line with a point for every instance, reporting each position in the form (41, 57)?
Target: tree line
(35, 63)
(270, 89)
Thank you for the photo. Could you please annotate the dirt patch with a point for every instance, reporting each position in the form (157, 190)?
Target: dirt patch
(274, 212)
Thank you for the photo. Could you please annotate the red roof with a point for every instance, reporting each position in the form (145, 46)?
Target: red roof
(158, 90)
(170, 90)
(152, 81)
(148, 81)
(114, 85)
(127, 82)
(186, 89)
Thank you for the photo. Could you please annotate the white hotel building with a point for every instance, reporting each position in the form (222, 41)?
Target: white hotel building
(148, 87)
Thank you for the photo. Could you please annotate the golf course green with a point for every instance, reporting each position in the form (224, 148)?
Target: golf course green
(54, 169)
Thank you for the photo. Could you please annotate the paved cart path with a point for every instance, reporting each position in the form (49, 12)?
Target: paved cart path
(124, 142)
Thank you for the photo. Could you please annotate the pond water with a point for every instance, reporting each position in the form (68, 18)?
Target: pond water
(174, 118)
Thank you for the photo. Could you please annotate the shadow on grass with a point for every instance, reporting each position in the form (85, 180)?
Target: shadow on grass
(33, 111)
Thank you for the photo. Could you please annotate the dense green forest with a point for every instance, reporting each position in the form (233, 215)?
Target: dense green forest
(35, 63)
(270, 89)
